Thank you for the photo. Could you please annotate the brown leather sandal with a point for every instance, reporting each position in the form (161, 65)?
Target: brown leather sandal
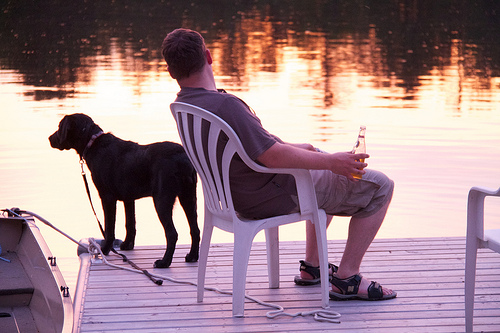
(314, 272)
(349, 290)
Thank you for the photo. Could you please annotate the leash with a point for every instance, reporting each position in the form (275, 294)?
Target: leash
(82, 162)
(94, 249)
(124, 257)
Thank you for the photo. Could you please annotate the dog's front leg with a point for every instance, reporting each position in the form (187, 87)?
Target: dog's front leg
(128, 244)
(109, 207)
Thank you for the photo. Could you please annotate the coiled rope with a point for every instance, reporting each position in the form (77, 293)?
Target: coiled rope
(318, 315)
(94, 249)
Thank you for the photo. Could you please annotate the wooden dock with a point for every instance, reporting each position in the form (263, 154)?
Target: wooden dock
(427, 273)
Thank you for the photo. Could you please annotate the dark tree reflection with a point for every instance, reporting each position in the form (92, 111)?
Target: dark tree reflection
(55, 45)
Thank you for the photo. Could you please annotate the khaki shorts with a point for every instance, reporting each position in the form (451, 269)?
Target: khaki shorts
(340, 196)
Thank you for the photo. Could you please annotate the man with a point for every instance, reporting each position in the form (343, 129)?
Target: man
(262, 195)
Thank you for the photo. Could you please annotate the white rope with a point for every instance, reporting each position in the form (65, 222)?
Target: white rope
(318, 315)
(95, 250)
(50, 225)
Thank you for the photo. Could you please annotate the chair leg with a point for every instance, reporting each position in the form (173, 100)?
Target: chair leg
(241, 254)
(272, 245)
(475, 230)
(470, 281)
(320, 228)
(202, 263)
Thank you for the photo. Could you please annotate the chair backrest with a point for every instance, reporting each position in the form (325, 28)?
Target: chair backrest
(211, 144)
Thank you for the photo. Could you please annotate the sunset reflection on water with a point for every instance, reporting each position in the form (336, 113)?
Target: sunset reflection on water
(429, 98)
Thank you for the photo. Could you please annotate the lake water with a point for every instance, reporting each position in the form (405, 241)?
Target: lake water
(424, 78)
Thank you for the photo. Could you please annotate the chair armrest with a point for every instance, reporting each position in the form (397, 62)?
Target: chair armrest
(475, 211)
(486, 191)
(303, 182)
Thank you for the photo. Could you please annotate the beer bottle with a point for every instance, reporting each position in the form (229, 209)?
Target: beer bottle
(360, 146)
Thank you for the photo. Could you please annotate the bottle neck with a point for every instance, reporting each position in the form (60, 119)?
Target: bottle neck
(362, 131)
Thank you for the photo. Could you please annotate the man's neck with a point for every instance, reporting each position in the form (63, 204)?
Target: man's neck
(203, 79)
(197, 84)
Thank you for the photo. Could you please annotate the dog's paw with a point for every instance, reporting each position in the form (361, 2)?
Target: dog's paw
(162, 264)
(192, 257)
(106, 247)
(125, 246)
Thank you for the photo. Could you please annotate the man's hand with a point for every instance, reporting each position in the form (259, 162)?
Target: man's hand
(347, 164)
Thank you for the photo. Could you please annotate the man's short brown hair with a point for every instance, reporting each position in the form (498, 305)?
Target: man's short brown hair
(184, 52)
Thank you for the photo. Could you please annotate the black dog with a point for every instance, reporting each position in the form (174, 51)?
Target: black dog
(126, 171)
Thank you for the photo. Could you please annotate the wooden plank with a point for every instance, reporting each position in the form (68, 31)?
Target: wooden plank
(428, 274)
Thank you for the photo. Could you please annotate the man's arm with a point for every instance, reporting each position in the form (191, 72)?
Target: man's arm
(303, 156)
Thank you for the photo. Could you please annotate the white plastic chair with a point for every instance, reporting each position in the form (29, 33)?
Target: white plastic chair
(477, 238)
(192, 121)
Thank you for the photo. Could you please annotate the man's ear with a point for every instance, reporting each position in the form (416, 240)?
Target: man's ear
(168, 69)
(209, 57)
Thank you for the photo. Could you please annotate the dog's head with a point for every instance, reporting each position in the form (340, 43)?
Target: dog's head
(74, 132)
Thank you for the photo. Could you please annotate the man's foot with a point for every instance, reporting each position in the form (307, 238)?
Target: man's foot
(357, 287)
(309, 275)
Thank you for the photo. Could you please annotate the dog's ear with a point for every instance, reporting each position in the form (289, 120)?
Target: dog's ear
(68, 134)
(64, 127)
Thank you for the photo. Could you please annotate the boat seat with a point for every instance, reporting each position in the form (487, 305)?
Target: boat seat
(7, 322)
(17, 319)
(16, 288)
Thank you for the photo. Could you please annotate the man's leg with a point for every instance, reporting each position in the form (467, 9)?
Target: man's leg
(362, 231)
(312, 256)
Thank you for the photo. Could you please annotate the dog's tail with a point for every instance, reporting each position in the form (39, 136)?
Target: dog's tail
(188, 172)
(194, 176)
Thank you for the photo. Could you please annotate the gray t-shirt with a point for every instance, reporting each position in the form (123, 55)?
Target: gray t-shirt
(255, 195)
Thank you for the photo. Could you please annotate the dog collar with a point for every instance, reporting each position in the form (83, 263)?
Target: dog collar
(91, 142)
